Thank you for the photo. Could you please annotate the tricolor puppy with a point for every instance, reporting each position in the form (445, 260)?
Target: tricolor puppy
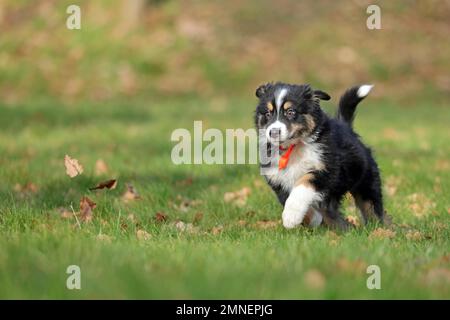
(319, 158)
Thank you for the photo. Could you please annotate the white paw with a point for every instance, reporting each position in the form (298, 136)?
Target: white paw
(292, 217)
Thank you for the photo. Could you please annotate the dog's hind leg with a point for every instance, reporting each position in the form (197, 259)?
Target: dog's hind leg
(333, 218)
(369, 199)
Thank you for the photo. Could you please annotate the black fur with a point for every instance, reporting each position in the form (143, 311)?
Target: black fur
(349, 165)
(347, 105)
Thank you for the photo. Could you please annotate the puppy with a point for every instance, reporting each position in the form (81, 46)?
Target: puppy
(318, 159)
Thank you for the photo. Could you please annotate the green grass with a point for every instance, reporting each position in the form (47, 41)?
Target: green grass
(242, 261)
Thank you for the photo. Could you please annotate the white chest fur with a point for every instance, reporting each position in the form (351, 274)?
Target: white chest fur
(303, 159)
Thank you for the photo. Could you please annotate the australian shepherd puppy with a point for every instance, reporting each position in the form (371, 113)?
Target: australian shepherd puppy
(318, 158)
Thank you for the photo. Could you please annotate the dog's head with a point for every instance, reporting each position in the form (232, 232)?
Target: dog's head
(288, 113)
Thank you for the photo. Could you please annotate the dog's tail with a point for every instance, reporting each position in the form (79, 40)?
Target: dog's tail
(349, 101)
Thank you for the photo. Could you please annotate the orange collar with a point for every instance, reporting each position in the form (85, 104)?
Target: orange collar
(284, 159)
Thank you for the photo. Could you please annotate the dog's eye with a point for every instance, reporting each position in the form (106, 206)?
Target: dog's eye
(290, 113)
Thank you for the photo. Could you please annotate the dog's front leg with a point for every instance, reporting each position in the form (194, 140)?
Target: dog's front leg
(302, 196)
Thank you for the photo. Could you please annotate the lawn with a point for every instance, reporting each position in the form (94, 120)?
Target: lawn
(140, 249)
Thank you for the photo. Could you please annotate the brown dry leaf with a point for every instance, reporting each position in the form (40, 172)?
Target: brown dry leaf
(442, 165)
(381, 233)
(161, 217)
(110, 184)
(104, 238)
(414, 235)
(242, 223)
(132, 218)
(334, 238)
(185, 182)
(353, 220)
(391, 185)
(420, 205)
(349, 266)
(143, 235)
(64, 213)
(392, 134)
(185, 204)
(185, 227)
(438, 276)
(29, 187)
(266, 224)
(238, 198)
(73, 167)
(217, 230)
(86, 207)
(131, 193)
(314, 279)
(101, 167)
(198, 217)
(258, 183)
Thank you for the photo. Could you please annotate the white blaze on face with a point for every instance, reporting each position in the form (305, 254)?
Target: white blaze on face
(279, 98)
(280, 94)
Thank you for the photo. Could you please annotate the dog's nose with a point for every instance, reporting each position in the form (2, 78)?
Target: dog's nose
(274, 133)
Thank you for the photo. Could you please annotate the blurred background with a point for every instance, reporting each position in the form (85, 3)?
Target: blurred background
(212, 49)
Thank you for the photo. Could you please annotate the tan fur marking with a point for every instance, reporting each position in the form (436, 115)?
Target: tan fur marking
(308, 217)
(366, 208)
(270, 106)
(287, 105)
(310, 123)
(305, 181)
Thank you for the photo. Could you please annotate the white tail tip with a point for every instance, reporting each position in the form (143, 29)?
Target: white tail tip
(364, 90)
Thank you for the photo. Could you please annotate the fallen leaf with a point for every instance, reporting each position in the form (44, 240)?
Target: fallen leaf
(351, 266)
(103, 237)
(101, 167)
(442, 165)
(143, 235)
(29, 187)
(86, 207)
(391, 185)
(420, 205)
(185, 204)
(73, 167)
(161, 217)
(132, 218)
(353, 220)
(438, 276)
(238, 198)
(185, 227)
(334, 238)
(184, 182)
(217, 230)
(65, 213)
(392, 134)
(131, 193)
(414, 235)
(381, 233)
(198, 217)
(258, 183)
(314, 279)
(110, 184)
(266, 224)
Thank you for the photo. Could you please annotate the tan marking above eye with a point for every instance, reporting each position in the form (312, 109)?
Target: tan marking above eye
(270, 106)
(287, 105)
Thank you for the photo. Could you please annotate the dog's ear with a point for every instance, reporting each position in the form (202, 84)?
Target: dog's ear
(321, 95)
(262, 89)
